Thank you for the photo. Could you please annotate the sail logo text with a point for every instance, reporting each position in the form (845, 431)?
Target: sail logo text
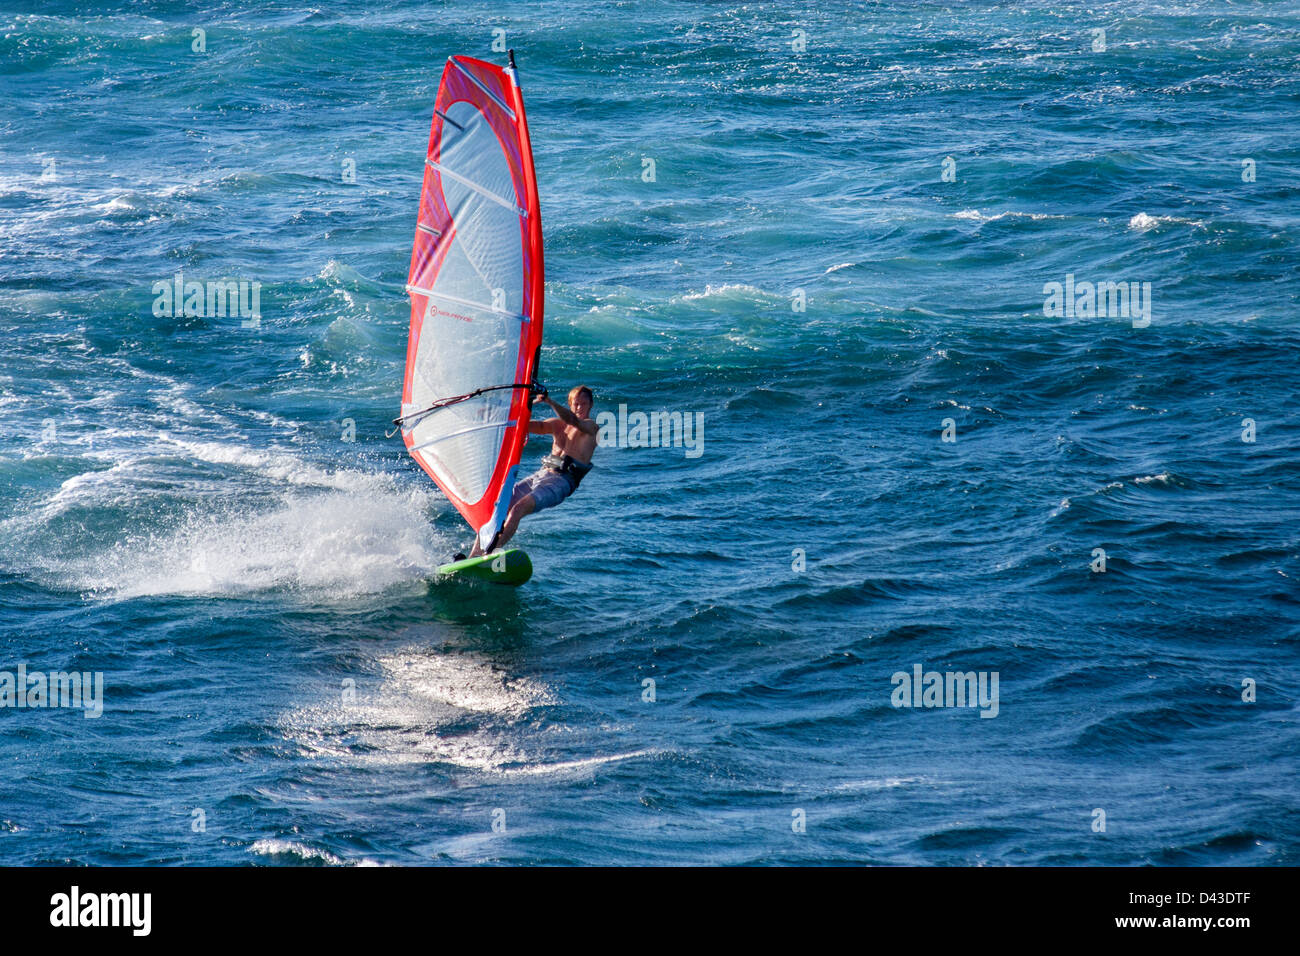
(102, 909)
(952, 689)
(653, 430)
(35, 689)
(1107, 300)
(210, 300)
(434, 312)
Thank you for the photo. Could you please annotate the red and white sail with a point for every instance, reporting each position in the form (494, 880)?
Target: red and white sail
(476, 289)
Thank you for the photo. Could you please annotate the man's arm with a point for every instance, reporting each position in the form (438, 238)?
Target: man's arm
(584, 425)
(546, 427)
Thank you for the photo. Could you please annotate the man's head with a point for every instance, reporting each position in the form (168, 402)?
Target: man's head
(580, 400)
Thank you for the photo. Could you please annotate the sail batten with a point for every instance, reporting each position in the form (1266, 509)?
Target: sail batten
(474, 305)
(475, 284)
(454, 62)
(481, 190)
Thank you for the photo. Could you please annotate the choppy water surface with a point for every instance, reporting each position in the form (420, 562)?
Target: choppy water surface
(180, 509)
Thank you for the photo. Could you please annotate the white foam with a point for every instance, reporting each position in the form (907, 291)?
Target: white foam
(119, 203)
(88, 483)
(1142, 222)
(335, 545)
(302, 851)
(729, 290)
(978, 216)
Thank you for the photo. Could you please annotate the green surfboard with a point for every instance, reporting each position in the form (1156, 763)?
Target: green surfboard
(500, 567)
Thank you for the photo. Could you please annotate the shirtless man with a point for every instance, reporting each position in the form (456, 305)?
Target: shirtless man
(573, 440)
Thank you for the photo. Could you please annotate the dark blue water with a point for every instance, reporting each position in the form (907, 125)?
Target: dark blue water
(181, 508)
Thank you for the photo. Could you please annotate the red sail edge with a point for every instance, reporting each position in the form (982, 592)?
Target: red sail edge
(495, 93)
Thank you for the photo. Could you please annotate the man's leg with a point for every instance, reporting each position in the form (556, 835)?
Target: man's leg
(522, 509)
(547, 492)
(517, 496)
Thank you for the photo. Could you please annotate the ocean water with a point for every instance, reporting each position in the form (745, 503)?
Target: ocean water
(748, 220)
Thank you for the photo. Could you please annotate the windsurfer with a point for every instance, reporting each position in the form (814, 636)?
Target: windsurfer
(573, 440)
